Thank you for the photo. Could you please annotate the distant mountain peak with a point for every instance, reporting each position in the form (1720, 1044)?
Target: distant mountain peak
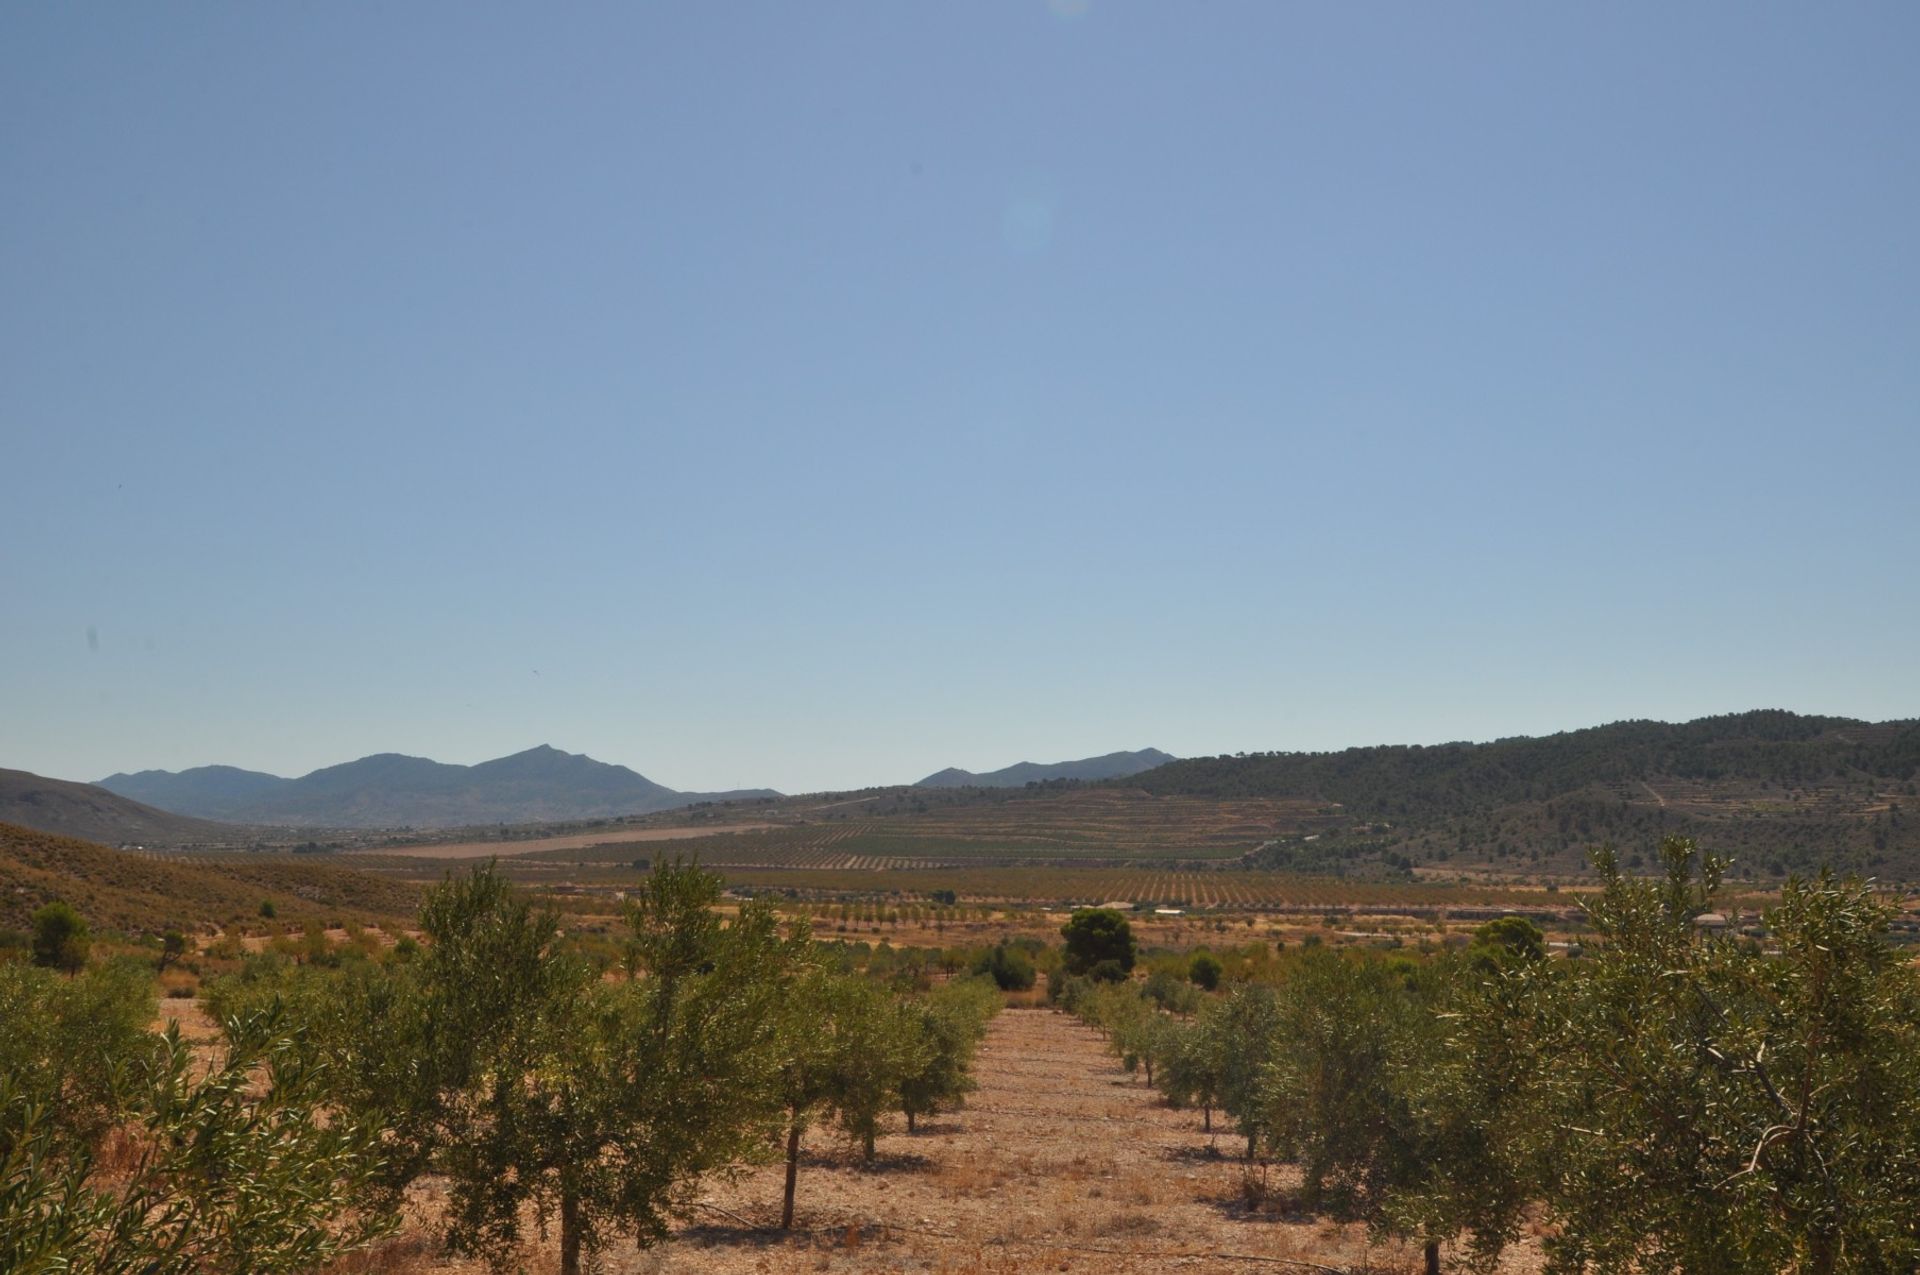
(1107, 766)
(387, 790)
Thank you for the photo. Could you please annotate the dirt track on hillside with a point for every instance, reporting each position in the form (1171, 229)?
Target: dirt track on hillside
(577, 841)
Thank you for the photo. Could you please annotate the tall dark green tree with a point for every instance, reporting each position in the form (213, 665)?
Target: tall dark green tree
(1095, 935)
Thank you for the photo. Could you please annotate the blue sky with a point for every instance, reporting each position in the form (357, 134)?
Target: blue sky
(819, 395)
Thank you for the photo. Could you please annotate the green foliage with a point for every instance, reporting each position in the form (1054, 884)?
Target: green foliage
(1720, 1108)
(1096, 935)
(1173, 994)
(1677, 1101)
(1139, 1035)
(240, 1171)
(60, 938)
(603, 1103)
(1245, 1023)
(498, 1055)
(173, 946)
(1010, 968)
(1204, 970)
(1195, 1066)
(1509, 939)
(70, 1046)
(950, 1023)
(845, 1050)
(876, 1045)
(1366, 1092)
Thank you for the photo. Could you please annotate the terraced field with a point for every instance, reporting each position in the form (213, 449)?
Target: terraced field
(1209, 890)
(1106, 827)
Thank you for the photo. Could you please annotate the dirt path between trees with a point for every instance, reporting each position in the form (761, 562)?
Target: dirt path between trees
(1059, 1162)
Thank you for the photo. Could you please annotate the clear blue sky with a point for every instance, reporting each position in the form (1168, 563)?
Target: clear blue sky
(819, 395)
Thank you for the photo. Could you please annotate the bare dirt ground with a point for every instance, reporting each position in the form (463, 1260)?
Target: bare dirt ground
(1060, 1162)
(579, 841)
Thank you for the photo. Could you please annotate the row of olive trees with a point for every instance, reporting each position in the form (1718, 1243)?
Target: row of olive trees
(1674, 1101)
(502, 1059)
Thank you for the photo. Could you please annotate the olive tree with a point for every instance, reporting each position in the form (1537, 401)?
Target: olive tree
(1192, 1074)
(1717, 1108)
(950, 1022)
(1246, 1026)
(601, 1104)
(242, 1168)
(1396, 1118)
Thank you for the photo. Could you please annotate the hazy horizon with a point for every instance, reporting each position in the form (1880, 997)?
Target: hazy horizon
(767, 396)
(980, 767)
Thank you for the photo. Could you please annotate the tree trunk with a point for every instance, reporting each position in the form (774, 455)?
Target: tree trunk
(1149, 1063)
(867, 1146)
(793, 1172)
(569, 1232)
(1433, 1257)
(1823, 1252)
(1249, 1148)
(909, 1120)
(1209, 1111)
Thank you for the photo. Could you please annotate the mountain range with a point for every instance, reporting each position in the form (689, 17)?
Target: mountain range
(91, 813)
(1020, 774)
(390, 790)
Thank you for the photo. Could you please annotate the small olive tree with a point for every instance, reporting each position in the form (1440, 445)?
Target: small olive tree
(950, 1020)
(601, 1104)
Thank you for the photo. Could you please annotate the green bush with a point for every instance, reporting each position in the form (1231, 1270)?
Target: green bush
(1010, 968)
(1173, 994)
(60, 938)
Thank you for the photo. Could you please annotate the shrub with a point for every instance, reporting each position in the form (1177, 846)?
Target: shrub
(1010, 968)
(1205, 970)
(1172, 993)
(60, 939)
